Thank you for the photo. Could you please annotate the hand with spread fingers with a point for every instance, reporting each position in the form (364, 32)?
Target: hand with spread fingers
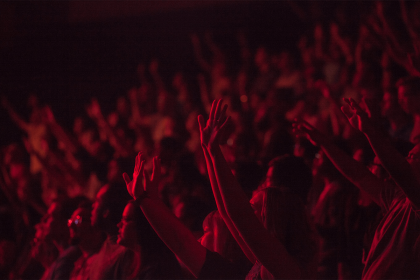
(358, 118)
(211, 132)
(135, 187)
(302, 128)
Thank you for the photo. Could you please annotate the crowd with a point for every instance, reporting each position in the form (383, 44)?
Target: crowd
(295, 165)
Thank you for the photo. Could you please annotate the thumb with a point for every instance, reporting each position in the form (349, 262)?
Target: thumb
(126, 178)
(127, 181)
(201, 122)
(347, 111)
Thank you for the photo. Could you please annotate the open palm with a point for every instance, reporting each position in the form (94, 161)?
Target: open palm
(211, 131)
(135, 187)
(356, 116)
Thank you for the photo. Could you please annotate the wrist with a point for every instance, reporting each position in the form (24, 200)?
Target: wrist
(138, 200)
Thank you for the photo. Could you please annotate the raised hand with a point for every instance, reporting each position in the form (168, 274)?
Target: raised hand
(302, 128)
(358, 118)
(135, 187)
(210, 132)
(152, 184)
(48, 115)
(94, 109)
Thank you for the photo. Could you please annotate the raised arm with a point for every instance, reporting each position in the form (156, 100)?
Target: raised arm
(410, 27)
(395, 164)
(353, 170)
(265, 247)
(18, 120)
(173, 233)
(94, 111)
(59, 132)
(205, 130)
(205, 66)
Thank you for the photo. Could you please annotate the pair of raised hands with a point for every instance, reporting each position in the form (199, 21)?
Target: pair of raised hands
(211, 133)
(356, 116)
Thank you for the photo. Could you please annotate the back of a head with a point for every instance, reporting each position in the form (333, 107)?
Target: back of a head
(153, 250)
(114, 200)
(148, 240)
(292, 173)
(284, 216)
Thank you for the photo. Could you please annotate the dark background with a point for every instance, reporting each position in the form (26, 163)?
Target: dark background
(69, 51)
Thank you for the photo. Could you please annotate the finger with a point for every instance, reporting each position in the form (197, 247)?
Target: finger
(126, 178)
(137, 165)
(347, 111)
(353, 104)
(296, 122)
(298, 132)
(141, 167)
(371, 105)
(218, 109)
(213, 110)
(201, 122)
(304, 129)
(306, 125)
(358, 110)
(225, 122)
(222, 117)
(347, 101)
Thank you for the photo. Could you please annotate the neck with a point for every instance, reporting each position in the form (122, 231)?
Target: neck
(61, 246)
(137, 249)
(92, 244)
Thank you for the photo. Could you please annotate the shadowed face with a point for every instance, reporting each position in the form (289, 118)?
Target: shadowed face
(257, 201)
(52, 227)
(79, 225)
(98, 208)
(127, 234)
(413, 159)
(408, 100)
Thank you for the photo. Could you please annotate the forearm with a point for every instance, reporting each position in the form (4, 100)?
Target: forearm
(266, 248)
(174, 234)
(396, 165)
(353, 170)
(234, 199)
(221, 207)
